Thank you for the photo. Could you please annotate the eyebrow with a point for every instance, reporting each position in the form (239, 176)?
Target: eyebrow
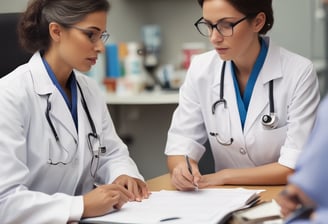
(220, 20)
(94, 28)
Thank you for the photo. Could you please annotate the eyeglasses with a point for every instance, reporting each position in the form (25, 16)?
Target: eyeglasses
(93, 36)
(225, 28)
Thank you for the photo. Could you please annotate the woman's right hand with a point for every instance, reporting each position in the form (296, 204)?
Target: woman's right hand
(291, 198)
(181, 178)
(104, 198)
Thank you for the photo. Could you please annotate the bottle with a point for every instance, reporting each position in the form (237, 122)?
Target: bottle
(133, 66)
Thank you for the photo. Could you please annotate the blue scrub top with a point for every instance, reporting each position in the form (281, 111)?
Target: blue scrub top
(71, 82)
(243, 101)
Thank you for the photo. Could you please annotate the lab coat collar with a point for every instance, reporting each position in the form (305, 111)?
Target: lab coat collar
(41, 80)
(43, 86)
(229, 94)
(271, 70)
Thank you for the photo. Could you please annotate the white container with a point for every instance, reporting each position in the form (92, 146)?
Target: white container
(134, 69)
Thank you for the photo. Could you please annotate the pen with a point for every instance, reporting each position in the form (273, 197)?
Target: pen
(189, 165)
(302, 211)
(169, 219)
(190, 169)
(95, 185)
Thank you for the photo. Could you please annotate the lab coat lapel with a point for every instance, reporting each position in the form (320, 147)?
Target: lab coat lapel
(271, 70)
(230, 97)
(43, 86)
(259, 101)
(61, 114)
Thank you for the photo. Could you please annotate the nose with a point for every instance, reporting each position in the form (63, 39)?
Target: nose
(216, 36)
(100, 46)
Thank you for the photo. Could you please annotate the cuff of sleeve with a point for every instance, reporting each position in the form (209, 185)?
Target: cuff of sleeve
(289, 157)
(76, 210)
(180, 145)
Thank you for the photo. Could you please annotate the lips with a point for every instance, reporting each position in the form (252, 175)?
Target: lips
(92, 60)
(221, 50)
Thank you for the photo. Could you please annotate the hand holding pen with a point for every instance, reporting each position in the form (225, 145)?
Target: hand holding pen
(294, 204)
(185, 175)
(194, 182)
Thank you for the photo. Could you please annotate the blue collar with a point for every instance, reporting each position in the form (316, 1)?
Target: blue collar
(71, 82)
(243, 102)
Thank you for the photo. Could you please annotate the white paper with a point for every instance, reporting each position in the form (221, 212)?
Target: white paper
(263, 210)
(202, 206)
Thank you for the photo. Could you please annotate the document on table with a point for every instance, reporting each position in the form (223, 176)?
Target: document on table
(267, 211)
(202, 206)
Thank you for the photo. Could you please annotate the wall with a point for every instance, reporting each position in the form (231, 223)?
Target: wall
(12, 6)
(296, 26)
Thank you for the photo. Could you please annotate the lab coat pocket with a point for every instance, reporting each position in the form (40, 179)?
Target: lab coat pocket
(267, 145)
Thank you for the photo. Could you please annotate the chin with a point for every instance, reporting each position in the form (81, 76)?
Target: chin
(84, 68)
(224, 57)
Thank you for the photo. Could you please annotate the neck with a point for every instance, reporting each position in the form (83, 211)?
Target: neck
(61, 72)
(245, 63)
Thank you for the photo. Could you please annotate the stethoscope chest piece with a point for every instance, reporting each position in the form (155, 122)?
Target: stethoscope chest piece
(270, 121)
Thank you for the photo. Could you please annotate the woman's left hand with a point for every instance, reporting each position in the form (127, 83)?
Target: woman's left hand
(136, 186)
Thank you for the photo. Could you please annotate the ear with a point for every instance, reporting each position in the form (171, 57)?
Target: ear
(259, 21)
(55, 31)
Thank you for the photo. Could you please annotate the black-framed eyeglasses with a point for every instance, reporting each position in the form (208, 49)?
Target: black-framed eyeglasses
(93, 35)
(225, 28)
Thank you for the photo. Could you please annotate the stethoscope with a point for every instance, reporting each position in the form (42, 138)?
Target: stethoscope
(269, 121)
(92, 135)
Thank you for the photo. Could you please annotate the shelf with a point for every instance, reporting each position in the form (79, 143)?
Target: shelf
(144, 98)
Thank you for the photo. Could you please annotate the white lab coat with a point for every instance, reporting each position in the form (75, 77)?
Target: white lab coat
(31, 190)
(296, 97)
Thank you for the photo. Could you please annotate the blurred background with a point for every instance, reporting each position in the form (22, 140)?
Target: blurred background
(149, 50)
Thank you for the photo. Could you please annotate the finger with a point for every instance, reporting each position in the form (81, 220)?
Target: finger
(122, 190)
(133, 187)
(183, 184)
(119, 201)
(144, 189)
(197, 177)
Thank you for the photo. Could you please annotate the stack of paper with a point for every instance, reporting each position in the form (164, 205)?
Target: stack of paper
(259, 214)
(202, 206)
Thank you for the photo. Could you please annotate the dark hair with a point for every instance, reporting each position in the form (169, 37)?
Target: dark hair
(251, 8)
(33, 27)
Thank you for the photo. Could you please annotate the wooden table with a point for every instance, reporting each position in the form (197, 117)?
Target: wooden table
(164, 183)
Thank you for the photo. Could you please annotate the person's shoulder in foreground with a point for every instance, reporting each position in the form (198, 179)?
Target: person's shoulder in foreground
(306, 191)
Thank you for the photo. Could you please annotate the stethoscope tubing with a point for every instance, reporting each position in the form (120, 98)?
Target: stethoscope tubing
(269, 121)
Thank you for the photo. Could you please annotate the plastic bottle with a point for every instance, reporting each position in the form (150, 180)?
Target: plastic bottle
(134, 70)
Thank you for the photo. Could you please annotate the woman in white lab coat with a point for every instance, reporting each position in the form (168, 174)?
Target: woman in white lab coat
(61, 159)
(256, 134)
